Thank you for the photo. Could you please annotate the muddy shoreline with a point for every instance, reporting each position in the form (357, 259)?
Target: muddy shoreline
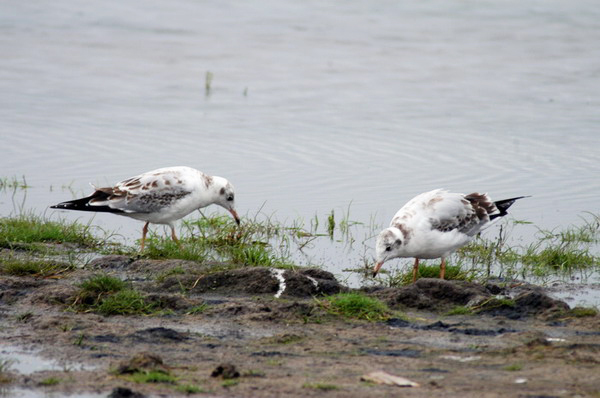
(518, 342)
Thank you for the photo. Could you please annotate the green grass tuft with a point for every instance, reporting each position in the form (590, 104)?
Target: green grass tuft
(493, 303)
(514, 367)
(189, 389)
(230, 383)
(356, 305)
(153, 376)
(101, 284)
(28, 267)
(50, 381)
(125, 302)
(321, 386)
(108, 295)
(581, 312)
(557, 258)
(256, 255)
(199, 309)
(31, 229)
(460, 310)
(453, 272)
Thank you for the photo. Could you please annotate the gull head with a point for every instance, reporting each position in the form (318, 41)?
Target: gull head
(226, 196)
(390, 244)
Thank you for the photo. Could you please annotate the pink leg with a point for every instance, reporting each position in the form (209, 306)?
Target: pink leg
(415, 270)
(443, 268)
(175, 236)
(144, 232)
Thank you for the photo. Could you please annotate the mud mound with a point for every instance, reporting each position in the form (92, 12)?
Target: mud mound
(13, 289)
(442, 295)
(302, 283)
(110, 262)
(527, 303)
(433, 294)
(199, 278)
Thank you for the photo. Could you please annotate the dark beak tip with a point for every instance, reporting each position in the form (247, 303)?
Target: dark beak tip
(374, 274)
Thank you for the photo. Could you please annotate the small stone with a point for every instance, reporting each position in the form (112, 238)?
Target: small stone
(388, 379)
(225, 371)
(124, 392)
(141, 361)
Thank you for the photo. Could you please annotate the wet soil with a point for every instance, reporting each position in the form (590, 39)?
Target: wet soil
(518, 342)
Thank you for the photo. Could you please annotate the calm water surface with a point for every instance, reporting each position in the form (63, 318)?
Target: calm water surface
(314, 106)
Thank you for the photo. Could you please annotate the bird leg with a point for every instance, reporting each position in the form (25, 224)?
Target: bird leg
(443, 268)
(144, 232)
(415, 269)
(174, 236)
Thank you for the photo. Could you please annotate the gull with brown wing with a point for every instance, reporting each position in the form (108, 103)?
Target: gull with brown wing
(434, 224)
(160, 196)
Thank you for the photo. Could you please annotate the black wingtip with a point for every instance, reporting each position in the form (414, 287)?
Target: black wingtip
(83, 204)
(504, 204)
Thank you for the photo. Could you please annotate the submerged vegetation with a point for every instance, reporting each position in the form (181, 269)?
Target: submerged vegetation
(218, 239)
(13, 183)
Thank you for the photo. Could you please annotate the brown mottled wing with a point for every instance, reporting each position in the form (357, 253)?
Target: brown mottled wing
(146, 193)
(465, 214)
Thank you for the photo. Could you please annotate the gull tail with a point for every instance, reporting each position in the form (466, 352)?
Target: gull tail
(503, 205)
(84, 204)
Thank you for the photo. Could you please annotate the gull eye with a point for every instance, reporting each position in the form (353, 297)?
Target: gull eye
(388, 249)
(230, 198)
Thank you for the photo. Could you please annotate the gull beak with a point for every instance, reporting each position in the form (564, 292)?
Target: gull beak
(235, 216)
(376, 270)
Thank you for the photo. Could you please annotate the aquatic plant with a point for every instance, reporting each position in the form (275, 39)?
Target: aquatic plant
(405, 277)
(13, 183)
(217, 238)
(208, 82)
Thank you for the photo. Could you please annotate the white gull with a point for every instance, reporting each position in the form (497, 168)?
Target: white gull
(160, 196)
(434, 224)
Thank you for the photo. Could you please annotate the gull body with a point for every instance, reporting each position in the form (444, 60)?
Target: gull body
(159, 196)
(436, 223)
